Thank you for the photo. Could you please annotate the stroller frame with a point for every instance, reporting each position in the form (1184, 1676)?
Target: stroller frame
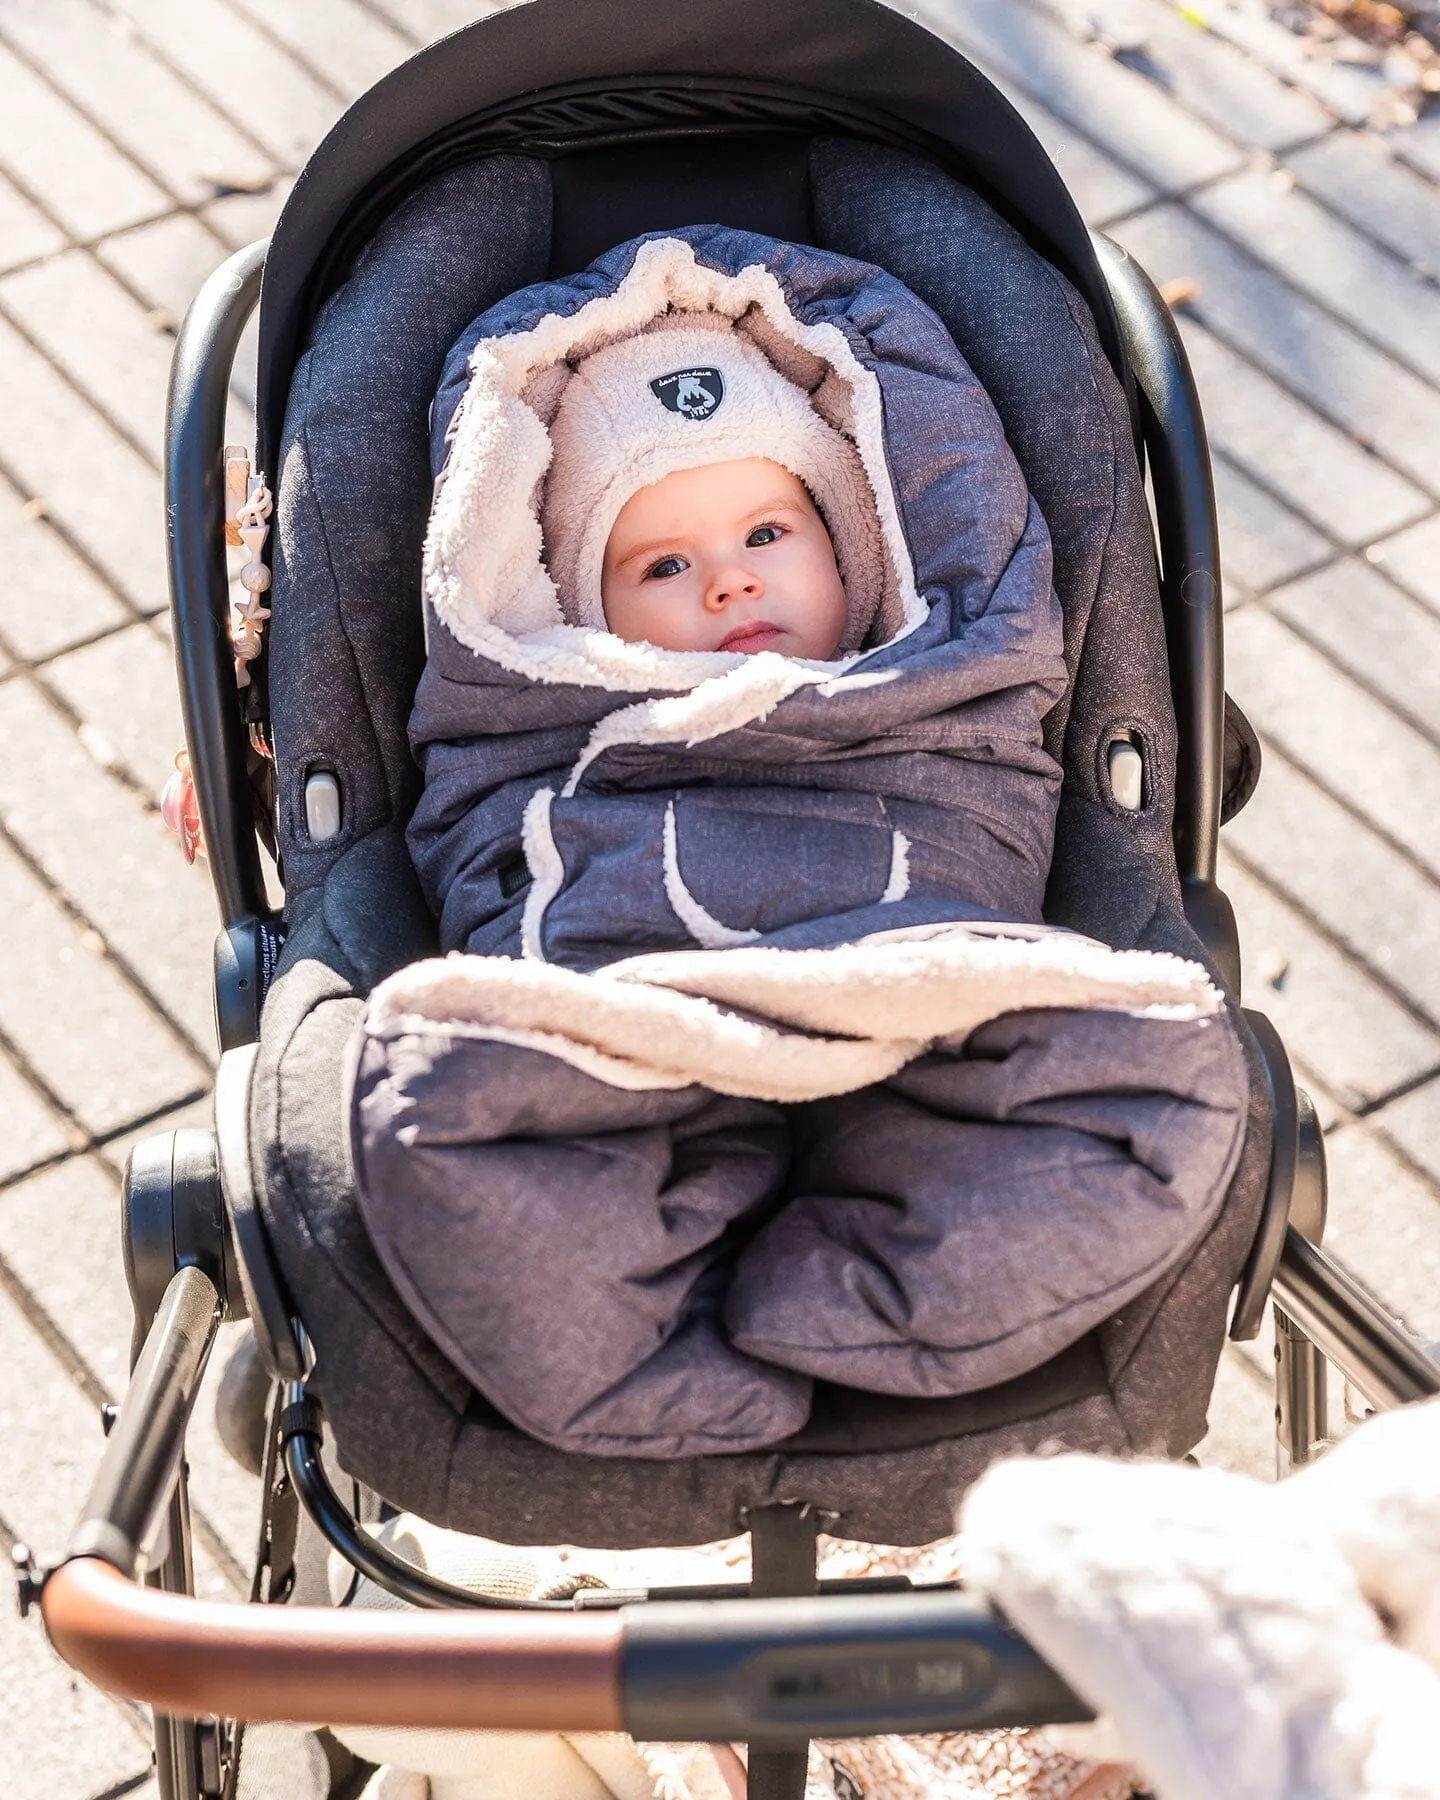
(774, 1663)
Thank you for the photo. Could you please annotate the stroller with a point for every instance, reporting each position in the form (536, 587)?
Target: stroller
(525, 145)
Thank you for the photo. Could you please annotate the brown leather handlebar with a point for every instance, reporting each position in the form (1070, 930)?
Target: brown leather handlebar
(325, 1666)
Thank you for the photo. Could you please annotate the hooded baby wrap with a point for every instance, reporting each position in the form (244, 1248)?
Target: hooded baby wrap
(753, 1061)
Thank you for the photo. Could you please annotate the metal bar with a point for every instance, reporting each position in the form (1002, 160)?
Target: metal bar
(1301, 1411)
(369, 1556)
(177, 1740)
(199, 582)
(121, 1519)
(1387, 1365)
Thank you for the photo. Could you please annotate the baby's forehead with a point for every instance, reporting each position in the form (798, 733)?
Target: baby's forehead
(718, 495)
(734, 485)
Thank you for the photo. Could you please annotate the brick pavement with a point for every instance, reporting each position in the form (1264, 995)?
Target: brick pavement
(141, 140)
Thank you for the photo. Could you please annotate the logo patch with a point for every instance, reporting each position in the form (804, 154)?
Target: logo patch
(693, 393)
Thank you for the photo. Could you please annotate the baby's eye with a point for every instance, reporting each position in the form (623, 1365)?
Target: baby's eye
(667, 566)
(762, 535)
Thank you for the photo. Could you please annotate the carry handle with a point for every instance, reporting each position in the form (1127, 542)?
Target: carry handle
(760, 1671)
(340, 1666)
(1180, 475)
(199, 579)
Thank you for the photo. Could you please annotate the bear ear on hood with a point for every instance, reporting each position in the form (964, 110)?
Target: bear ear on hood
(797, 364)
(545, 389)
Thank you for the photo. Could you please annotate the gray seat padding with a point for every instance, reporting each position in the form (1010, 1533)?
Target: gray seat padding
(352, 500)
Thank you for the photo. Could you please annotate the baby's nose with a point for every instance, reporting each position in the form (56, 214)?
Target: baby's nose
(732, 584)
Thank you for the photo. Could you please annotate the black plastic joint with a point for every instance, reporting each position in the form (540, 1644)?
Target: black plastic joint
(301, 1418)
(776, 1672)
(30, 1578)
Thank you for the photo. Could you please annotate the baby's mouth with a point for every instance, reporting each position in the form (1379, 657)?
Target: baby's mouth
(756, 634)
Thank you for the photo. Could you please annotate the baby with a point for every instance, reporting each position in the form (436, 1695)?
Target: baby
(728, 556)
(708, 504)
(737, 808)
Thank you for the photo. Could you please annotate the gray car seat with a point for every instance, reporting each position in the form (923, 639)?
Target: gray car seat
(352, 496)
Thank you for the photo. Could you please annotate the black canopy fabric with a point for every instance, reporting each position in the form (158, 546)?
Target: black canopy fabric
(549, 76)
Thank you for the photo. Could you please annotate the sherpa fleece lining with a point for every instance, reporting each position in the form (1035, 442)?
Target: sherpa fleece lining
(785, 1025)
(484, 571)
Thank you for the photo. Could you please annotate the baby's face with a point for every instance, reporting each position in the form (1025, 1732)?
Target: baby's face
(731, 556)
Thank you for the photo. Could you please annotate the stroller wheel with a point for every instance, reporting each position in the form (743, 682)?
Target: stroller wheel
(240, 1405)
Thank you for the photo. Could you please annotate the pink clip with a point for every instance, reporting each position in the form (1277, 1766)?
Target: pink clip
(181, 810)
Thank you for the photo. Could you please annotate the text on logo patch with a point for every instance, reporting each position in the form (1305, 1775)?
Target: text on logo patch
(693, 393)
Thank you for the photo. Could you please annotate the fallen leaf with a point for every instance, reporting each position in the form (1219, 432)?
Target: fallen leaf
(1181, 291)
(226, 181)
(1274, 967)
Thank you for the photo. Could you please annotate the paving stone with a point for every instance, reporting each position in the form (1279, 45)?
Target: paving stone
(241, 219)
(1261, 540)
(58, 448)
(426, 20)
(25, 232)
(62, 1737)
(1315, 468)
(1332, 1015)
(1412, 558)
(1354, 172)
(75, 1741)
(1384, 1225)
(1241, 1438)
(102, 337)
(1210, 78)
(112, 856)
(165, 262)
(1375, 630)
(1102, 189)
(124, 690)
(348, 46)
(34, 1132)
(52, 1439)
(1328, 1111)
(1419, 145)
(77, 1021)
(1119, 110)
(1365, 894)
(60, 1235)
(1300, 700)
(1347, 90)
(1362, 389)
(1329, 259)
(243, 376)
(197, 1115)
(95, 58)
(49, 599)
(51, 150)
(1414, 1124)
(242, 70)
